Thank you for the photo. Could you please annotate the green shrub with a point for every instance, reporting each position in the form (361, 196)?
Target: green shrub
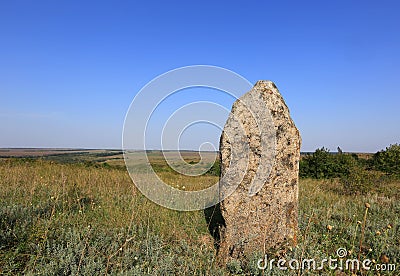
(215, 169)
(388, 160)
(323, 164)
(359, 181)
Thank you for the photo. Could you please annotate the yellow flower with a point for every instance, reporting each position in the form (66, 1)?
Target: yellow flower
(329, 227)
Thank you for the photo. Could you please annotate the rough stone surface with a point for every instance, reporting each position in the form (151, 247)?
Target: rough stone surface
(263, 151)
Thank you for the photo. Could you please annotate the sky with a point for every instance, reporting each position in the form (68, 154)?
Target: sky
(69, 70)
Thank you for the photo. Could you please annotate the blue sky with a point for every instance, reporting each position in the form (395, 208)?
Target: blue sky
(69, 69)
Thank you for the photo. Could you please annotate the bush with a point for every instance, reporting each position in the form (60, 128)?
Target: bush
(388, 160)
(215, 169)
(323, 164)
(317, 165)
(359, 181)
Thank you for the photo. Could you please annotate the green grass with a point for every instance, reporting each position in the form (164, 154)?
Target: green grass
(71, 219)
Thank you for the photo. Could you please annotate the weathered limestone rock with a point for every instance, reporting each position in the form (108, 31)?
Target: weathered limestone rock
(260, 152)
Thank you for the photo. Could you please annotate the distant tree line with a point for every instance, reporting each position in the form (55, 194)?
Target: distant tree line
(323, 164)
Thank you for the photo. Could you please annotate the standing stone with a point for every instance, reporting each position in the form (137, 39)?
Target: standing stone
(260, 153)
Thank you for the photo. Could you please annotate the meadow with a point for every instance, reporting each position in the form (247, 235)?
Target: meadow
(64, 215)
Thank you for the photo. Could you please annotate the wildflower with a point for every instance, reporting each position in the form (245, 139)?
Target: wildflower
(329, 227)
(370, 250)
(367, 205)
(378, 233)
(389, 226)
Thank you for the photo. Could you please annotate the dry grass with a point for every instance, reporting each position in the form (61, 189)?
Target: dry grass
(75, 219)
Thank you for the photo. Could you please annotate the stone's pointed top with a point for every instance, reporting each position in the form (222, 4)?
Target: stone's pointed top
(265, 84)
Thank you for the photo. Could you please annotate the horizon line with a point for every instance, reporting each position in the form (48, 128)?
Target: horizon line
(120, 149)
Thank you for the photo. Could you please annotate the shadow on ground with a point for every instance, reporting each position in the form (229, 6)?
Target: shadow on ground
(215, 222)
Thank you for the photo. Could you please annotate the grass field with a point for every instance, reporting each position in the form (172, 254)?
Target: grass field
(73, 218)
